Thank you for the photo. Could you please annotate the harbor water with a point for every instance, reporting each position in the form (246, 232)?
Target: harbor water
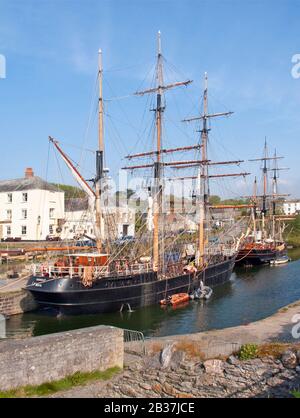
(251, 294)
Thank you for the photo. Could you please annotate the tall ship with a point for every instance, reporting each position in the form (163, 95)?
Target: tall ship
(109, 279)
(264, 244)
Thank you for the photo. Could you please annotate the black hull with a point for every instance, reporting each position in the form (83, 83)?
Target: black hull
(257, 256)
(109, 294)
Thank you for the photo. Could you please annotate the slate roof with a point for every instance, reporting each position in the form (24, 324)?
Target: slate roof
(31, 183)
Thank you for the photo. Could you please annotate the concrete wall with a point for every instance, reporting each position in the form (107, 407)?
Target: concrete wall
(16, 302)
(33, 361)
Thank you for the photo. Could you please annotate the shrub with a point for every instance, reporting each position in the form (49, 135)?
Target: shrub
(248, 352)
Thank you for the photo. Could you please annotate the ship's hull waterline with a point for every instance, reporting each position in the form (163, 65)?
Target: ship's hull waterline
(69, 296)
(258, 256)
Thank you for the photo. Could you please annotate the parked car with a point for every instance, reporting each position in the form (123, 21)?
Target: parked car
(85, 243)
(125, 240)
(11, 239)
(52, 238)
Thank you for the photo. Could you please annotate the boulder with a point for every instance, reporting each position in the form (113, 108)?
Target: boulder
(166, 355)
(232, 360)
(289, 359)
(177, 359)
(214, 366)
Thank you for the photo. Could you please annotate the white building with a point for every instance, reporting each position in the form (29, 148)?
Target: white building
(77, 220)
(80, 221)
(291, 207)
(30, 208)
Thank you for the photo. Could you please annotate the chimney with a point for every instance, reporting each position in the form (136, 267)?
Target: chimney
(29, 173)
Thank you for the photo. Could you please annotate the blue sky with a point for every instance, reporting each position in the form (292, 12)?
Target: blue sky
(51, 54)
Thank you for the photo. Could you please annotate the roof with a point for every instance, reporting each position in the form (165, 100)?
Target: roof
(75, 204)
(31, 183)
(291, 201)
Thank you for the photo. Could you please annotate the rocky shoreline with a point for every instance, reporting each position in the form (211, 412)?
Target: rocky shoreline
(202, 364)
(185, 377)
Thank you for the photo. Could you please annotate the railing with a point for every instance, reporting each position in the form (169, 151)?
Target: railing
(134, 342)
(55, 271)
(215, 348)
(220, 249)
(71, 271)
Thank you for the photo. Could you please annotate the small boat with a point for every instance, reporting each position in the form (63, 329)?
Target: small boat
(281, 260)
(175, 299)
(205, 293)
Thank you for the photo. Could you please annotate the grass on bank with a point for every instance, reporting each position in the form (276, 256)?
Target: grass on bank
(274, 349)
(292, 232)
(49, 388)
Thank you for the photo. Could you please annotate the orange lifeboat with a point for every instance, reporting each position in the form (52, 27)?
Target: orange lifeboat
(175, 299)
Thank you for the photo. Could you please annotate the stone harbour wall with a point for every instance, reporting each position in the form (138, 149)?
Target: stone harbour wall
(37, 360)
(16, 302)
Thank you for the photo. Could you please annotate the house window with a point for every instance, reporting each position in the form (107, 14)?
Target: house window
(9, 214)
(24, 213)
(50, 229)
(9, 197)
(8, 230)
(24, 230)
(51, 213)
(24, 197)
(39, 220)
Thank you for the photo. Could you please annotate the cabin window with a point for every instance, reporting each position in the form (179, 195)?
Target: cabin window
(24, 197)
(24, 213)
(9, 197)
(24, 230)
(9, 214)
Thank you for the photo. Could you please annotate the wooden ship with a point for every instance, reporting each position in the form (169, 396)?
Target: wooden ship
(101, 281)
(265, 243)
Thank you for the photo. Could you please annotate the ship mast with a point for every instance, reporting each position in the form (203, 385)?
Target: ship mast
(274, 181)
(203, 174)
(99, 160)
(254, 208)
(265, 194)
(158, 164)
(157, 200)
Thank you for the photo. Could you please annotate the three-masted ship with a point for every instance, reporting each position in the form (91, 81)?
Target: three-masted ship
(265, 242)
(99, 282)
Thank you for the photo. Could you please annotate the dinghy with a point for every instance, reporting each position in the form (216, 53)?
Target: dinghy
(175, 299)
(281, 260)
